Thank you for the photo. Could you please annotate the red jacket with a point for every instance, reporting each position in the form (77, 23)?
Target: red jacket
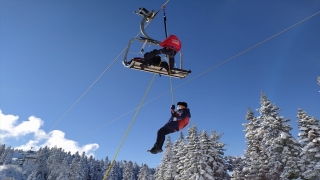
(172, 42)
(182, 116)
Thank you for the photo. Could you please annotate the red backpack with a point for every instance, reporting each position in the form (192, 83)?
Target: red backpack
(172, 42)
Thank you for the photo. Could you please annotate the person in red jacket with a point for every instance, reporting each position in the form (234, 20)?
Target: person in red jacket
(171, 46)
(179, 119)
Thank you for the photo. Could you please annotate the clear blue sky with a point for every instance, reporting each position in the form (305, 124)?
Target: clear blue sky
(52, 51)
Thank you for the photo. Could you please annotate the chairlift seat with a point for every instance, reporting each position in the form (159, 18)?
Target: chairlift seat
(137, 63)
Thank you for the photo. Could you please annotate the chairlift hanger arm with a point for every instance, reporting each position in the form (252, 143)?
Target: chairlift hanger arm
(146, 17)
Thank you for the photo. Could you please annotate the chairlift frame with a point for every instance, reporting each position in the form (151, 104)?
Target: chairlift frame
(147, 17)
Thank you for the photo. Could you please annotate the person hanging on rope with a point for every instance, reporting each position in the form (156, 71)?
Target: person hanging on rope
(171, 46)
(178, 120)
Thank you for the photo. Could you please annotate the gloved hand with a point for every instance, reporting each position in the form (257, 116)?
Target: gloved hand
(173, 107)
(174, 119)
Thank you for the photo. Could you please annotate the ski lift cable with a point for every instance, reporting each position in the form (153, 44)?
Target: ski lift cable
(203, 73)
(95, 81)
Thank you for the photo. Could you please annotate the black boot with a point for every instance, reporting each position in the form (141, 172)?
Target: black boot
(156, 149)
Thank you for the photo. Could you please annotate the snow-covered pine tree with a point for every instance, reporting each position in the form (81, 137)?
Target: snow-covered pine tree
(94, 169)
(136, 170)
(206, 160)
(145, 174)
(80, 169)
(281, 148)
(255, 155)
(11, 172)
(2, 149)
(128, 171)
(41, 172)
(114, 173)
(180, 150)
(309, 138)
(104, 166)
(236, 165)
(6, 157)
(217, 152)
(190, 168)
(65, 168)
(74, 165)
(167, 169)
(85, 165)
(121, 166)
(54, 162)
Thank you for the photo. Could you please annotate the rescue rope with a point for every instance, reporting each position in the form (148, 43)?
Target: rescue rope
(166, 33)
(128, 129)
(172, 96)
(165, 20)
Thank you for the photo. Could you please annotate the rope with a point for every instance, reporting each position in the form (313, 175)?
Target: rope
(165, 20)
(128, 129)
(166, 33)
(172, 96)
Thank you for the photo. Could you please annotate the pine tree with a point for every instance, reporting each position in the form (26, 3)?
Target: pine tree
(281, 148)
(128, 171)
(54, 162)
(104, 165)
(167, 168)
(309, 137)
(216, 151)
(65, 168)
(114, 173)
(6, 157)
(94, 169)
(136, 170)
(41, 171)
(207, 160)
(144, 173)
(2, 149)
(74, 166)
(236, 165)
(79, 168)
(180, 150)
(191, 160)
(255, 155)
(177, 146)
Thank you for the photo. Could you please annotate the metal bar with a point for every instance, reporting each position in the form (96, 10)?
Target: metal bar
(124, 61)
(180, 59)
(142, 27)
(144, 44)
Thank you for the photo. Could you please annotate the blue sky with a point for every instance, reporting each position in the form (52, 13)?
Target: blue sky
(52, 51)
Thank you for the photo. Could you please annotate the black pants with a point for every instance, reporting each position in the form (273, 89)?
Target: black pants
(169, 52)
(162, 132)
